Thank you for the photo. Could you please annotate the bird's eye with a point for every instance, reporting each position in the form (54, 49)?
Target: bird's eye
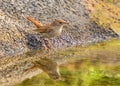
(60, 22)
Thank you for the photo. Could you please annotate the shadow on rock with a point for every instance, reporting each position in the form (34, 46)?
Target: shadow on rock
(32, 42)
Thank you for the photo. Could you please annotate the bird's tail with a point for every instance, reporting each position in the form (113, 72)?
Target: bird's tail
(36, 23)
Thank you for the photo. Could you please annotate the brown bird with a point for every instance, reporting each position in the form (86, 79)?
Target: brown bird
(48, 31)
(48, 66)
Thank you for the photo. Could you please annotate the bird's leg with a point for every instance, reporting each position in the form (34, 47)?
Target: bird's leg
(32, 68)
(44, 45)
(50, 45)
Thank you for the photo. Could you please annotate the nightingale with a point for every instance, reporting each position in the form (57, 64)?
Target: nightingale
(48, 66)
(48, 31)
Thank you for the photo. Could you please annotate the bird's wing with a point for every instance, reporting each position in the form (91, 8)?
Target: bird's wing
(44, 29)
(36, 23)
(40, 27)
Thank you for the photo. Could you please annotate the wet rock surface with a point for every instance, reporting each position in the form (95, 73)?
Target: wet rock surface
(16, 35)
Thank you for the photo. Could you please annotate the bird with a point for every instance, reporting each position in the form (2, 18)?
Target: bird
(48, 66)
(48, 31)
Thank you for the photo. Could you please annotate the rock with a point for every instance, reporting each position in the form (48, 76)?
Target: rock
(13, 23)
(17, 37)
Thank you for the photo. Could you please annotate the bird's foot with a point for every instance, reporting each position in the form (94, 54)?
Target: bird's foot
(50, 45)
(47, 45)
(44, 46)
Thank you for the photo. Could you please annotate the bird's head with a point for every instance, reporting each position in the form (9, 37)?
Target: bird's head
(60, 22)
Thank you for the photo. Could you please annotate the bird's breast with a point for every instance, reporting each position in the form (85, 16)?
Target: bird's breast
(54, 33)
(58, 31)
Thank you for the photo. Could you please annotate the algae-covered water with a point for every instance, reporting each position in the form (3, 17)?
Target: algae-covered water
(99, 67)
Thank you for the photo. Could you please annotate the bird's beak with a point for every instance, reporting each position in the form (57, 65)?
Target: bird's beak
(66, 22)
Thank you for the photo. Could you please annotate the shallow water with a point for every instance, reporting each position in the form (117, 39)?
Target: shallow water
(99, 67)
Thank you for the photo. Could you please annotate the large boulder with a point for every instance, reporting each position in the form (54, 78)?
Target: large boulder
(16, 35)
